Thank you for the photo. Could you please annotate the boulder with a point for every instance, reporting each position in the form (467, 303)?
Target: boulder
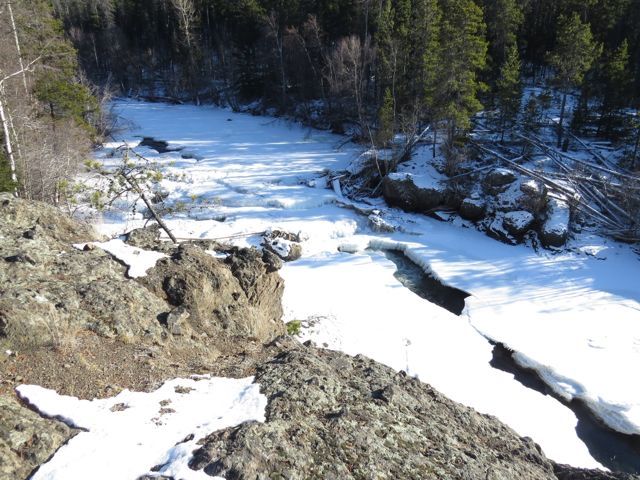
(285, 245)
(239, 296)
(473, 209)
(555, 229)
(533, 197)
(496, 229)
(414, 193)
(498, 180)
(518, 223)
(26, 439)
(146, 238)
(333, 416)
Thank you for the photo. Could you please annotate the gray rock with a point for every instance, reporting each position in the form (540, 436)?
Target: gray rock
(518, 223)
(500, 177)
(237, 296)
(332, 416)
(555, 229)
(146, 238)
(379, 224)
(473, 209)
(26, 439)
(177, 320)
(412, 193)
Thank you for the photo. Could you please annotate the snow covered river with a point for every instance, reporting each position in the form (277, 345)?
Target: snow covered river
(574, 317)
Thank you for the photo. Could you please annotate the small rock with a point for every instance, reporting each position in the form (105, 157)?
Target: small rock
(20, 258)
(283, 244)
(31, 233)
(380, 225)
(176, 320)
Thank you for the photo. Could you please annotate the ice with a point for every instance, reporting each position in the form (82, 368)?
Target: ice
(126, 436)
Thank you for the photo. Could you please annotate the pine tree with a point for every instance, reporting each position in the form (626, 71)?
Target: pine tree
(386, 120)
(426, 51)
(572, 57)
(508, 90)
(503, 18)
(462, 56)
(615, 83)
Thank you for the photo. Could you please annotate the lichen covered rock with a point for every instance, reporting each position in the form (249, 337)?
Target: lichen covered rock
(237, 296)
(338, 417)
(26, 439)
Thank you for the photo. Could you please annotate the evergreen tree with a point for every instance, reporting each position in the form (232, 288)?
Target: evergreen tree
(503, 19)
(508, 90)
(462, 56)
(386, 120)
(425, 55)
(615, 83)
(573, 55)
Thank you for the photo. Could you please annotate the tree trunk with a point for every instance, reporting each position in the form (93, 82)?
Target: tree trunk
(7, 137)
(635, 148)
(17, 41)
(435, 140)
(562, 108)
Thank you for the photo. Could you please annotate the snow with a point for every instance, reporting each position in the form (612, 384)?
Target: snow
(429, 180)
(137, 259)
(126, 436)
(573, 315)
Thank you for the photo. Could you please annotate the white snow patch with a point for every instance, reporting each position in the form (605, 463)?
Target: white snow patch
(127, 435)
(138, 260)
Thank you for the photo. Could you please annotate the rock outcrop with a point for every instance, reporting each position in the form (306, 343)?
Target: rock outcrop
(239, 296)
(51, 291)
(333, 416)
(26, 439)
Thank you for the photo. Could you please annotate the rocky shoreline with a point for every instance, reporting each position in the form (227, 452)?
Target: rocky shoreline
(71, 320)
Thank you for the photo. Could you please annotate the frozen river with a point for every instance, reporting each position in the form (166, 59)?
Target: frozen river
(574, 316)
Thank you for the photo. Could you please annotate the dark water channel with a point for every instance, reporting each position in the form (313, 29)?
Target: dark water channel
(426, 286)
(616, 451)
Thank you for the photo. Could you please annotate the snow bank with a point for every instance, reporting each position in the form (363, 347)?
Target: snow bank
(126, 436)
